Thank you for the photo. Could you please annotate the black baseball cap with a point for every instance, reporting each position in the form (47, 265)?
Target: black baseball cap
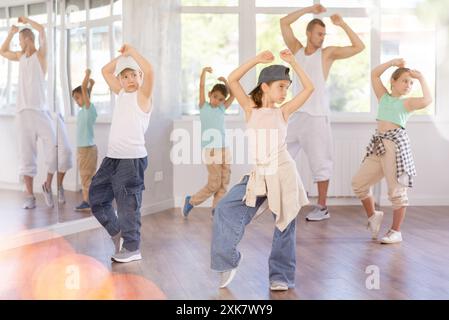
(271, 73)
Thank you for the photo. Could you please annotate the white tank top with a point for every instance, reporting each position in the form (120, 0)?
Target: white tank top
(129, 124)
(318, 104)
(267, 131)
(31, 88)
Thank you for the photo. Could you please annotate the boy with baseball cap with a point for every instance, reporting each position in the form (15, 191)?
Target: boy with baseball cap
(121, 175)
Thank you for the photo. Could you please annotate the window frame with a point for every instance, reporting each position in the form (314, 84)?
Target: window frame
(247, 13)
(88, 24)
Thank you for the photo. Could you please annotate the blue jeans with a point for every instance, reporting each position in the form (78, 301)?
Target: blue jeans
(122, 180)
(231, 216)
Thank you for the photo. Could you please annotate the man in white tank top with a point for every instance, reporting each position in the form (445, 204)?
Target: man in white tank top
(33, 117)
(309, 128)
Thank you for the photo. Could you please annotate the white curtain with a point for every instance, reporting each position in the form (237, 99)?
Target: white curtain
(153, 28)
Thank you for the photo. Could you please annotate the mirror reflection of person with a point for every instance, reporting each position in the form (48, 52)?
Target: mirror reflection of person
(33, 119)
(87, 150)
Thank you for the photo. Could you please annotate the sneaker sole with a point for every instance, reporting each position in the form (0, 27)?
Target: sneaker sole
(47, 202)
(318, 219)
(130, 259)
(233, 272)
(390, 242)
(278, 288)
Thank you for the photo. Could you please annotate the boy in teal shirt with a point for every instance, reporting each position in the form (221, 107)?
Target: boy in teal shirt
(87, 150)
(215, 153)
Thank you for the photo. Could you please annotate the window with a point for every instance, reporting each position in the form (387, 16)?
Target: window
(94, 33)
(404, 35)
(219, 51)
(387, 28)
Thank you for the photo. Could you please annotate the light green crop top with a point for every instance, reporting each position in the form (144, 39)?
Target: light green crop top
(392, 109)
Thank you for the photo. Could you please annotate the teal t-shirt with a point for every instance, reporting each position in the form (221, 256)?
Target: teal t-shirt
(212, 126)
(85, 126)
(393, 110)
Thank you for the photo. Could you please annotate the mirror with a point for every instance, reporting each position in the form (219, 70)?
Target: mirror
(27, 119)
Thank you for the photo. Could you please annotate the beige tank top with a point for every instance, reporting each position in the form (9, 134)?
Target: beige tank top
(267, 131)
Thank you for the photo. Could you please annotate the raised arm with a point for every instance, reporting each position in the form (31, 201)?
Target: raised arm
(148, 74)
(244, 100)
(90, 86)
(5, 51)
(413, 104)
(85, 89)
(231, 98)
(42, 36)
(286, 26)
(108, 75)
(298, 101)
(356, 46)
(203, 85)
(376, 73)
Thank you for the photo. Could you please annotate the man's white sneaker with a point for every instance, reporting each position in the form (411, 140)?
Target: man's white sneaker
(30, 203)
(374, 223)
(392, 236)
(319, 213)
(61, 196)
(48, 196)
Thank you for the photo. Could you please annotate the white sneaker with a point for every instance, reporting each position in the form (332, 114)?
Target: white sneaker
(125, 256)
(227, 276)
(61, 196)
(278, 286)
(319, 213)
(48, 196)
(392, 237)
(374, 223)
(30, 203)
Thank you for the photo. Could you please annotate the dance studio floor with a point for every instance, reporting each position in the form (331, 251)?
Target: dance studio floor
(14, 219)
(332, 260)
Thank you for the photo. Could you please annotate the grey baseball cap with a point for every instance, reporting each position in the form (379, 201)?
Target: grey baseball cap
(274, 72)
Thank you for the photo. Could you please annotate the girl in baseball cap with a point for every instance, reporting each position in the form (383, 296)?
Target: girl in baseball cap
(273, 183)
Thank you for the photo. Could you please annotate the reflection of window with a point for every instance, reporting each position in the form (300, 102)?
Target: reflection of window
(219, 51)
(77, 54)
(100, 55)
(101, 34)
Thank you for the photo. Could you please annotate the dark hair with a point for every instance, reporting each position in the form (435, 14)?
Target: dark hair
(257, 95)
(313, 23)
(80, 91)
(220, 88)
(27, 33)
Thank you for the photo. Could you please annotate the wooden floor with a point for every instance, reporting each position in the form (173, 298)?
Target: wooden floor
(332, 257)
(14, 219)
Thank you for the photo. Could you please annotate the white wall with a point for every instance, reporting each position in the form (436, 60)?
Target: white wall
(430, 146)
